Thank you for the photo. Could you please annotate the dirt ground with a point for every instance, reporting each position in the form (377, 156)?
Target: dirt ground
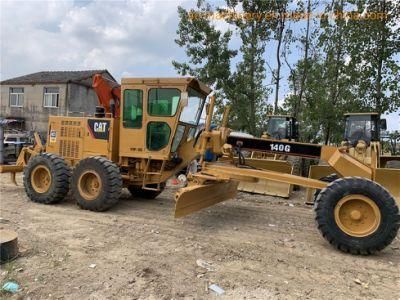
(257, 247)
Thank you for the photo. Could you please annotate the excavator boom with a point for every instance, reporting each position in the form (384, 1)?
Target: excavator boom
(109, 94)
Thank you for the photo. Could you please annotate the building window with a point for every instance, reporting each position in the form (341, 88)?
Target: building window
(51, 96)
(16, 97)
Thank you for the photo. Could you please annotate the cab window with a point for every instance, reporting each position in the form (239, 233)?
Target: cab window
(163, 102)
(158, 134)
(180, 130)
(133, 109)
(191, 113)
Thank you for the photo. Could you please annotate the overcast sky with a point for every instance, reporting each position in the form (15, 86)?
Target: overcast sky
(128, 38)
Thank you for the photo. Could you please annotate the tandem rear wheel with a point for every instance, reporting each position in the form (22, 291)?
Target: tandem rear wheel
(357, 215)
(47, 178)
(96, 183)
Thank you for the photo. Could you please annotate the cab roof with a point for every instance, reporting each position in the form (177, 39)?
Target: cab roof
(158, 81)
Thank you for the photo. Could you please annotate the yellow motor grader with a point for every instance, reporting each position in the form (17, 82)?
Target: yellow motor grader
(278, 127)
(153, 133)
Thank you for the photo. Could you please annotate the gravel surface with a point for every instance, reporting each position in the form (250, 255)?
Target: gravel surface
(253, 247)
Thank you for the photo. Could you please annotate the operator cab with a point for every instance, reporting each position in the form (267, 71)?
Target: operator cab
(282, 127)
(160, 115)
(363, 126)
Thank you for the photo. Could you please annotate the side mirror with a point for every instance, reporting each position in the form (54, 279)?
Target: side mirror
(184, 98)
(382, 124)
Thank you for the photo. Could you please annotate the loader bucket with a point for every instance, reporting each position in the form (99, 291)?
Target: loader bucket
(266, 187)
(196, 197)
(390, 179)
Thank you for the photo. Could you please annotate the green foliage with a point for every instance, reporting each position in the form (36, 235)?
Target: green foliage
(344, 65)
(207, 49)
(247, 93)
(375, 42)
(353, 70)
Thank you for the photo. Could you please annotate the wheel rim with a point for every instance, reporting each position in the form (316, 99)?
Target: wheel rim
(89, 185)
(41, 179)
(357, 215)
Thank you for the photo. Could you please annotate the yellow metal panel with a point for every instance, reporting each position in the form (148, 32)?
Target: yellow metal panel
(71, 138)
(390, 179)
(93, 146)
(346, 165)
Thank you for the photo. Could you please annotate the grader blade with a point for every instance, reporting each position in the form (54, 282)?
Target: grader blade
(196, 197)
(267, 187)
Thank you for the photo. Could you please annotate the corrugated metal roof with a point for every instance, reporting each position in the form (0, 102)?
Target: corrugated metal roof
(53, 77)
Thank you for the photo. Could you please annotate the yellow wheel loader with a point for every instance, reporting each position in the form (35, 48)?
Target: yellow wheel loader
(152, 133)
(363, 142)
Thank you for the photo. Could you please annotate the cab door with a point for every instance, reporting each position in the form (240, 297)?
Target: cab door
(163, 107)
(132, 137)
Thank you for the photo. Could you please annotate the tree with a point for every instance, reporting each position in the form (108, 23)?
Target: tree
(247, 92)
(206, 47)
(394, 138)
(375, 44)
(306, 44)
(319, 80)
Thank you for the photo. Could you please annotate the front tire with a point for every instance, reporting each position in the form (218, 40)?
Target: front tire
(357, 215)
(97, 183)
(47, 178)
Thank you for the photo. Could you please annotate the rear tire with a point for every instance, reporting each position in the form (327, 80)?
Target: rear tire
(357, 215)
(47, 178)
(137, 191)
(97, 183)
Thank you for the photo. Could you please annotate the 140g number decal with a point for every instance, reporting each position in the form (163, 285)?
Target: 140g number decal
(280, 147)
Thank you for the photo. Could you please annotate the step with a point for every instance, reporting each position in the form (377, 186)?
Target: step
(153, 173)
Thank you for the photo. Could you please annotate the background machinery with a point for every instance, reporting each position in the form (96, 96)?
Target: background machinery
(278, 127)
(153, 133)
(362, 141)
